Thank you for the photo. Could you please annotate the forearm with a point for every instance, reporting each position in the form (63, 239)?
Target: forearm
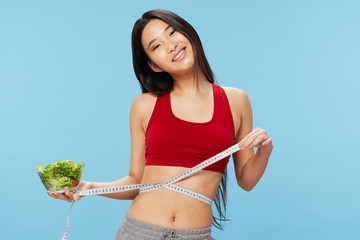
(254, 170)
(129, 195)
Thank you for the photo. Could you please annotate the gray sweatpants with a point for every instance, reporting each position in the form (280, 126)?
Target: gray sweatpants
(133, 229)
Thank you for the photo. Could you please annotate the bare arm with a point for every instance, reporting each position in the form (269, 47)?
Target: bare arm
(137, 162)
(249, 167)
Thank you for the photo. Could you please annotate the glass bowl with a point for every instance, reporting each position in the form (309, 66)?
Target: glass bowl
(52, 183)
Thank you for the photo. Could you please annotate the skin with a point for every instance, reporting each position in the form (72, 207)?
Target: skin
(191, 103)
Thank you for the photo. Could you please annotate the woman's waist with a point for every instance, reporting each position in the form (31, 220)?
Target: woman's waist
(166, 208)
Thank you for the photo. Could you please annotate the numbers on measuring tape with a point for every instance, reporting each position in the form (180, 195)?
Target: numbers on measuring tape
(147, 187)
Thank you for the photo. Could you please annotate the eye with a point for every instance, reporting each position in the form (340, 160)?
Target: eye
(156, 47)
(172, 32)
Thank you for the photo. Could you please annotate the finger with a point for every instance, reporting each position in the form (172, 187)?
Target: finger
(250, 134)
(241, 143)
(251, 139)
(51, 194)
(253, 133)
(67, 192)
(245, 140)
(268, 145)
(259, 140)
(76, 197)
(60, 196)
(267, 142)
(55, 195)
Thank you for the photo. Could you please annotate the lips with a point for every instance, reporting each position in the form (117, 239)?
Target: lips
(178, 54)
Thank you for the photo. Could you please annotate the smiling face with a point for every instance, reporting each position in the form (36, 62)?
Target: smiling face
(168, 49)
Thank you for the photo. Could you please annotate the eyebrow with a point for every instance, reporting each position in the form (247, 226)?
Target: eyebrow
(155, 38)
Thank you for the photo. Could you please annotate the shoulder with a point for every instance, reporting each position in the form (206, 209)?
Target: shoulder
(241, 108)
(237, 97)
(144, 100)
(142, 105)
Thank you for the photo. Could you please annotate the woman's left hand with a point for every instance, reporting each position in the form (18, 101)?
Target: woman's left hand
(257, 138)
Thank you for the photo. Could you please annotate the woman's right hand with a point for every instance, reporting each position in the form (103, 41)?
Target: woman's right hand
(71, 196)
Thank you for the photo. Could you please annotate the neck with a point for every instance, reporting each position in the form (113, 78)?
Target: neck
(186, 83)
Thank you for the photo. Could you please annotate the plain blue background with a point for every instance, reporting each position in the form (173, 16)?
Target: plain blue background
(67, 83)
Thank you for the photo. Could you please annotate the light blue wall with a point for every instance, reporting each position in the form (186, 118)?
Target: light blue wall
(66, 85)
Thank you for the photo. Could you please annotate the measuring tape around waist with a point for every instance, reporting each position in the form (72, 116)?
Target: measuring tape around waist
(147, 187)
(169, 184)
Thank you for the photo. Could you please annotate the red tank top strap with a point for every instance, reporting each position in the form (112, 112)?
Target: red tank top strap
(222, 105)
(160, 111)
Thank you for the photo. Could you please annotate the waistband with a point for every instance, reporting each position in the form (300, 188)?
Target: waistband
(141, 229)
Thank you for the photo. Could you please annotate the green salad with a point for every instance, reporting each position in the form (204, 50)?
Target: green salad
(61, 174)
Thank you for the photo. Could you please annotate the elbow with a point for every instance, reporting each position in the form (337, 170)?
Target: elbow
(245, 187)
(134, 194)
(248, 189)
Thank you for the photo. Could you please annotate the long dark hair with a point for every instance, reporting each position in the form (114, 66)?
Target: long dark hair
(159, 83)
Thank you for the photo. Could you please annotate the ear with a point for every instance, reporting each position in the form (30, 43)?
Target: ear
(154, 67)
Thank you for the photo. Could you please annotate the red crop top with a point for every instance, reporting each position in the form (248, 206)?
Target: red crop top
(171, 141)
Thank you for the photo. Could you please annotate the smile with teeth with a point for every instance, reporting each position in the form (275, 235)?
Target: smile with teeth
(179, 54)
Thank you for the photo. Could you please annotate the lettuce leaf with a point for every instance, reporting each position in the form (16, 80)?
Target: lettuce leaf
(60, 174)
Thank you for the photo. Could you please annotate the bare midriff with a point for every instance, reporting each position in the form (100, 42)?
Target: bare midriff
(170, 209)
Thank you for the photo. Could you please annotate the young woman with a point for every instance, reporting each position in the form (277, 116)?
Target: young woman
(181, 119)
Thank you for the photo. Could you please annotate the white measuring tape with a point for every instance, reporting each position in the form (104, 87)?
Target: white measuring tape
(169, 184)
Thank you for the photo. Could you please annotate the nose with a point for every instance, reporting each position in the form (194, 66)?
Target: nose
(172, 46)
